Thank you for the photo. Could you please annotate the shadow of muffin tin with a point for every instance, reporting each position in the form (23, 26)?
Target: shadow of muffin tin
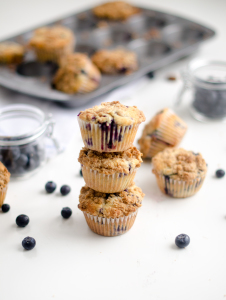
(158, 39)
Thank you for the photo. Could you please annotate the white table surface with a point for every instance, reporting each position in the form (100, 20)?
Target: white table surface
(69, 261)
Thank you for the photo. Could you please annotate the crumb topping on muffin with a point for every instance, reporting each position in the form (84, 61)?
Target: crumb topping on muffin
(117, 10)
(77, 74)
(113, 111)
(51, 37)
(111, 162)
(110, 205)
(4, 176)
(179, 164)
(11, 52)
(117, 61)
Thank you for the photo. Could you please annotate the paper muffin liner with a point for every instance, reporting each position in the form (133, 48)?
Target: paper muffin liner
(179, 188)
(113, 183)
(156, 147)
(103, 138)
(3, 195)
(108, 226)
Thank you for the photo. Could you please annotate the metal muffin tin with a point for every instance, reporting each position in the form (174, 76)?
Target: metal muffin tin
(158, 38)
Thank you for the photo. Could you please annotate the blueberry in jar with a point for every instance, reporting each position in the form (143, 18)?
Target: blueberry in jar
(5, 208)
(50, 187)
(28, 243)
(65, 190)
(22, 220)
(182, 240)
(66, 212)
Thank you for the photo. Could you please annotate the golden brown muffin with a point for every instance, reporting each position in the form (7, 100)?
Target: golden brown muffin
(116, 10)
(179, 173)
(52, 43)
(11, 53)
(77, 74)
(117, 61)
(4, 180)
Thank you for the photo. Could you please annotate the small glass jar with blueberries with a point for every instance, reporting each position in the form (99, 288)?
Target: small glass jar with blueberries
(23, 133)
(207, 81)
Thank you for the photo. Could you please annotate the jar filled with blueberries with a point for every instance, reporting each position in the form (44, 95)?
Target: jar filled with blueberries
(23, 133)
(207, 81)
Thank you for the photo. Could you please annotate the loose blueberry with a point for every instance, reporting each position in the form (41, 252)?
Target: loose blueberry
(28, 243)
(151, 75)
(65, 189)
(22, 220)
(220, 173)
(182, 240)
(50, 187)
(5, 208)
(81, 173)
(66, 212)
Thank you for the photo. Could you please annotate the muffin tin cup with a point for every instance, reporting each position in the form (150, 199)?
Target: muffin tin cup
(3, 192)
(112, 138)
(179, 188)
(108, 226)
(103, 183)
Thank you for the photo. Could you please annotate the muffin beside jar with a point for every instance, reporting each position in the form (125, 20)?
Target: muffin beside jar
(4, 180)
(11, 53)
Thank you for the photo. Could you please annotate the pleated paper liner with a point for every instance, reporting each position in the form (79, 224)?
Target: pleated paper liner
(108, 226)
(3, 192)
(179, 188)
(114, 183)
(103, 138)
(156, 147)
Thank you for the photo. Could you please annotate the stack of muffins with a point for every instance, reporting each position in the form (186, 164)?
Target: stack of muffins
(110, 199)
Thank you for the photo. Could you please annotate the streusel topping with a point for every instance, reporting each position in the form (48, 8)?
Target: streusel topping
(4, 176)
(110, 205)
(109, 111)
(117, 10)
(111, 162)
(179, 164)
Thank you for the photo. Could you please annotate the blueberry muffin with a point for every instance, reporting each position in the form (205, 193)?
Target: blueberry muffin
(164, 130)
(52, 43)
(11, 53)
(4, 180)
(109, 172)
(77, 74)
(179, 173)
(110, 127)
(116, 10)
(117, 61)
(110, 214)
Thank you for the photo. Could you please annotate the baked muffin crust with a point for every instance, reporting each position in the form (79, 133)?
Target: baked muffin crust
(4, 176)
(113, 111)
(11, 52)
(111, 162)
(179, 164)
(110, 205)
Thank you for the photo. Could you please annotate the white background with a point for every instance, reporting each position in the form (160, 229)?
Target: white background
(69, 261)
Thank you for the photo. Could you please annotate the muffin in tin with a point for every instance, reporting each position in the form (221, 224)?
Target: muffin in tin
(116, 10)
(11, 53)
(77, 74)
(109, 172)
(164, 130)
(110, 214)
(52, 43)
(4, 180)
(110, 127)
(116, 61)
(179, 173)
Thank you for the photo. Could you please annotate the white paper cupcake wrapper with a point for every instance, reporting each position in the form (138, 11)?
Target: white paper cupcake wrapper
(114, 183)
(108, 226)
(179, 188)
(3, 195)
(113, 138)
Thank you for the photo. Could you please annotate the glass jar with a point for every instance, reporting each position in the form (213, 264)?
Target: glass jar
(23, 129)
(207, 80)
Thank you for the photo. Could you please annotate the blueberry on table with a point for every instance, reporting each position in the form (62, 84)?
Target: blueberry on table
(65, 189)
(81, 173)
(5, 208)
(22, 220)
(28, 243)
(50, 187)
(66, 212)
(151, 75)
(182, 240)
(220, 173)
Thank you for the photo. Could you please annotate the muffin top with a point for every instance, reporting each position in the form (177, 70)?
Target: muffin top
(111, 162)
(179, 164)
(118, 61)
(117, 10)
(112, 111)
(4, 176)
(51, 37)
(11, 48)
(110, 205)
